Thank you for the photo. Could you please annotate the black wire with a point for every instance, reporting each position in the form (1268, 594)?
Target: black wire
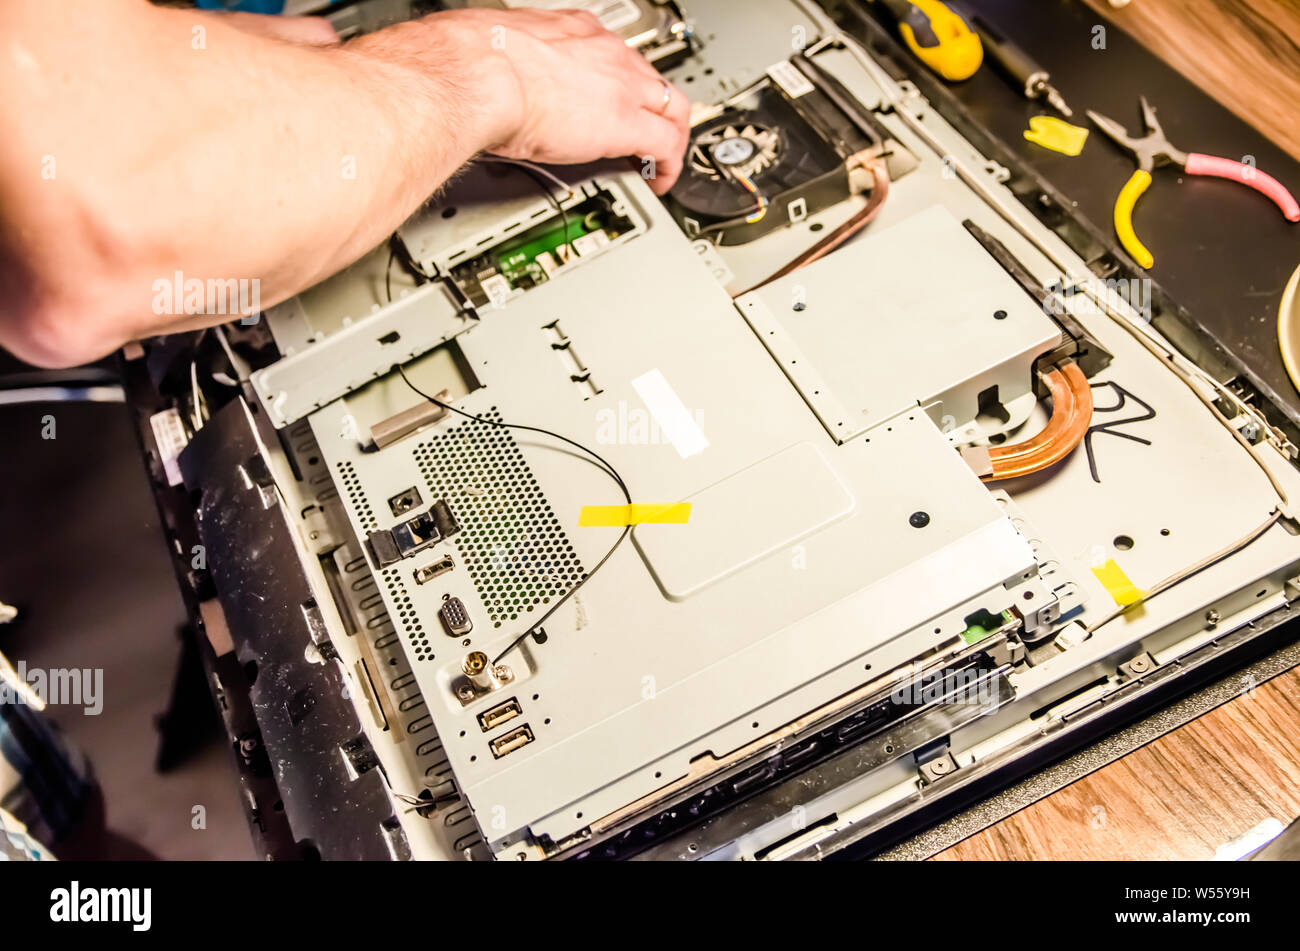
(602, 464)
(395, 245)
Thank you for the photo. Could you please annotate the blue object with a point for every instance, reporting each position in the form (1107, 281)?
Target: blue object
(248, 6)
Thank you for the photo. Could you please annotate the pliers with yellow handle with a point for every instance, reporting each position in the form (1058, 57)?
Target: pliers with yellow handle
(1153, 150)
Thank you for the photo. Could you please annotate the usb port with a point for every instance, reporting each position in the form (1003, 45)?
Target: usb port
(520, 736)
(502, 713)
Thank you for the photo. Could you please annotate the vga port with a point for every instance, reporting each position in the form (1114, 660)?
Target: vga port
(454, 617)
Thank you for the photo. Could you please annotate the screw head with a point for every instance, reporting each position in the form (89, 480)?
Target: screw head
(919, 519)
(999, 315)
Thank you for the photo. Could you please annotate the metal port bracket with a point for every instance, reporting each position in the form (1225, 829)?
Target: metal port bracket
(301, 382)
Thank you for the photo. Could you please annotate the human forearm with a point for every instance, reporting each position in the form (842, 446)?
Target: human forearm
(197, 147)
(138, 142)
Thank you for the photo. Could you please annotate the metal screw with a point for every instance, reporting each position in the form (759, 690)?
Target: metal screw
(919, 519)
(1212, 618)
(939, 767)
(1139, 665)
(465, 693)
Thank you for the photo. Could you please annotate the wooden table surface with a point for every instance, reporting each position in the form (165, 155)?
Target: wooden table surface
(1182, 796)
(1244, 53)
(1202, 785)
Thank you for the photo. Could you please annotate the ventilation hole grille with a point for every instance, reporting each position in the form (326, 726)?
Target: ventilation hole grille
(407, 620)
(514, 547)
(357, 496)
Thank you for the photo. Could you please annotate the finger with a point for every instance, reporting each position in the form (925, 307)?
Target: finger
(677, 114)
(548, 25)
(652, 136)
(559, 22)
(638, 63)
(309, 31)
(581, 22)
(665, 99)
(314, 31)
(655, 96)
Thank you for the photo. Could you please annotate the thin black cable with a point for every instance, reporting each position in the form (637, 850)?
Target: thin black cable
(603, 465)
(395, 244)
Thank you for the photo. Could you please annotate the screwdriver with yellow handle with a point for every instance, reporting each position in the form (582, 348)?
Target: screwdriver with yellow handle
(938, 35)
(1153, 150)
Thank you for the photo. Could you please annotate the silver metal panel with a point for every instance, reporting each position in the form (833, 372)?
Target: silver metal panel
(784, 631)
(771, 505)
(362, 350)
(737, 43)
(878, 328)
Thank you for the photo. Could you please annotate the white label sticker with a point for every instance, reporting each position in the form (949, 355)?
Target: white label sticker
(791, 81)
(671, 414)
(169, 434)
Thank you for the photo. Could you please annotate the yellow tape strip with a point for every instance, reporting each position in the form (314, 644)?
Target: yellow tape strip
(1117, 583)
(660, 513)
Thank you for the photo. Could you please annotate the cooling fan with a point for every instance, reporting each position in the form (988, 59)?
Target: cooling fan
(742, 150)
(756, 167)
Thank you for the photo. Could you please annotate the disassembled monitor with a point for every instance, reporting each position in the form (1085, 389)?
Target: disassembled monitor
(740, 523)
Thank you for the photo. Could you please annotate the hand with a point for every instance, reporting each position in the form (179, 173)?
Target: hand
(566, 90)
(308, 31)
